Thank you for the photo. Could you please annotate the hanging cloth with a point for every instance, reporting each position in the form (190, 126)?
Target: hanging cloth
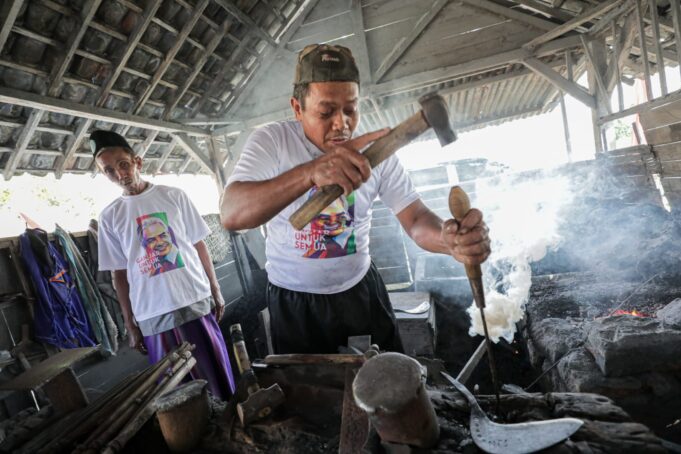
(104, 280)
(59, 318)
(101, 322)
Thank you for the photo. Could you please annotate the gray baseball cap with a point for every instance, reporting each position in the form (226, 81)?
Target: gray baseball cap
(325, 63)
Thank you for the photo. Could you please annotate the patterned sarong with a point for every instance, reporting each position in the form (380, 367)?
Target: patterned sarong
(212, 359)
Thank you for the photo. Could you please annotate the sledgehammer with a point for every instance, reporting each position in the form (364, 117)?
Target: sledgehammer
(260, 402)
(433, 114)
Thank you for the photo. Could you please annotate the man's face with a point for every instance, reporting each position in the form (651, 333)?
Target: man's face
(157, 238)
(331, 113)
(120, 167)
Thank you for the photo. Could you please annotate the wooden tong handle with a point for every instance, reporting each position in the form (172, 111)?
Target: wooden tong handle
(459, 206)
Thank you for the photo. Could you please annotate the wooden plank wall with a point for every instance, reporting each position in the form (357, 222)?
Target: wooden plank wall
(662, 130)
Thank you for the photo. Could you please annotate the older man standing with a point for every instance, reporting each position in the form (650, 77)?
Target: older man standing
(152, 239)
(323, 290)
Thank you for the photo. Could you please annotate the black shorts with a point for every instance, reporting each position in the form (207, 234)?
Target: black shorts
(315, 323)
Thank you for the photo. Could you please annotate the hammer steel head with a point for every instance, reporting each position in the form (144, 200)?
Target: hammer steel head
(260, 404)
(436, 113)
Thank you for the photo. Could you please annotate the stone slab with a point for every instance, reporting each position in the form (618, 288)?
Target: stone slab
(670, 315)
(627, 345)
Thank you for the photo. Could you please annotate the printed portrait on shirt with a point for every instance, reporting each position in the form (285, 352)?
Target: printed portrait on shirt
(332, 232)
(160, 248)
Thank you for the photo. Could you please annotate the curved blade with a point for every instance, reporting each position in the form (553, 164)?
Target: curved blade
(518, 438)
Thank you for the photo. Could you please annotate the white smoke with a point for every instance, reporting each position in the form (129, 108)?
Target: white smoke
(523, 218)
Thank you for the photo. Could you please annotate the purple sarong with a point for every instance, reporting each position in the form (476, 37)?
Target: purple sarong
(212, 360)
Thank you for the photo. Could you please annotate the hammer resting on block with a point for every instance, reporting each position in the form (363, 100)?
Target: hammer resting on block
(433, 114)
(260, 402)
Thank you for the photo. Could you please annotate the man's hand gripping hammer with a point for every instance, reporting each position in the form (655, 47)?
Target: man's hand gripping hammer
(433, 114)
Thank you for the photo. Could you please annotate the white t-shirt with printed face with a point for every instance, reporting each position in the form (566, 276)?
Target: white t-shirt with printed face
(152, 236)
(331, 254)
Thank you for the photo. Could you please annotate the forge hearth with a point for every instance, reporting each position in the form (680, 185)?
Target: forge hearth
(309, 421)
(634, 360)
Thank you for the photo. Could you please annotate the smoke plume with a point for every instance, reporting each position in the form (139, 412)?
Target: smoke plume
(523, 218)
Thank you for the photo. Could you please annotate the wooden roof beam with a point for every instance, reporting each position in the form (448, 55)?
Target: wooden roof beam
(143, 147)
(435, 76)
(9, 10)
(164, 157)
(600, 83)
(361, 42)
(268, 56)
(58, 70)
(194, 151)
(569, 87)
(35, 101)
(403, 44)
(22, 143)
(510, 13)
(625, 41)
(612, 16)
(542, 8)
(572, 24)
(245, 19)
(170, 55)
(72, 145)
(210, 48)
(132, 42)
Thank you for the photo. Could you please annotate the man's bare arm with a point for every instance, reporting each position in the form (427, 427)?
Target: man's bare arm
(122, 288)
(249, 204)
(467, 242)
(208, 267)
(246, 205)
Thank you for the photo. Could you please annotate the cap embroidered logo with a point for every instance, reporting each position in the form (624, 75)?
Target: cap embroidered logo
(327, 57)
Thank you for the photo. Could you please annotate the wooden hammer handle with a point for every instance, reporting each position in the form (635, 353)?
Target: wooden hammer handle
(378, 152)
(239, 345)
(459, 206)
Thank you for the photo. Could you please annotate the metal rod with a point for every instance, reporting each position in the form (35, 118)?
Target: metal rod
(490, 358)
(472, 363)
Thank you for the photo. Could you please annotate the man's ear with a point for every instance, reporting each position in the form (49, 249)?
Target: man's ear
(297, 108)
(138, 162)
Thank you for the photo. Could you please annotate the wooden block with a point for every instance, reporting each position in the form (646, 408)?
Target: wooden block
(65, 392)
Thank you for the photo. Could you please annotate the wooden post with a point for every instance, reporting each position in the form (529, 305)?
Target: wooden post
(615, 62)
(598, 65)
(644, 50)
(658, 47)
(676, 14)
(563, 110)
